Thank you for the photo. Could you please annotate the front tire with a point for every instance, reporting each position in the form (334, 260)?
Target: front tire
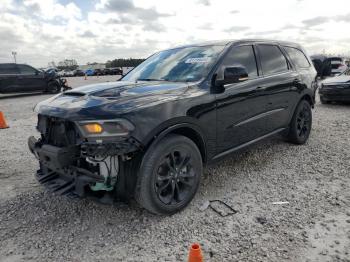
(169, 175)
(300, 126)
(53, 88)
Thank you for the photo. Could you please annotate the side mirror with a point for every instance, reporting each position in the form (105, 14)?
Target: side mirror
(233, 75)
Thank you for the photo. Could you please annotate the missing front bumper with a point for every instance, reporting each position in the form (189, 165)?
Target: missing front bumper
(62, 172)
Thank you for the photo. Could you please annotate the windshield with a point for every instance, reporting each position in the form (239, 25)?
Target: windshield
(187, 64)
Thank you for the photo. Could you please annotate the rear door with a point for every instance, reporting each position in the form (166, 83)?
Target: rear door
(305, 69)
(30, 79)
(280, 82)
(8, 78)
(241, 107)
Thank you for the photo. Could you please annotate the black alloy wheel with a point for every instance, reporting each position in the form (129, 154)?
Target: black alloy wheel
(53, 88)
(300, 126)
(175, 177)
(303, 121)
(169, 175)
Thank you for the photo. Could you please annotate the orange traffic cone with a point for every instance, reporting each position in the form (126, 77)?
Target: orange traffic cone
(3, 123)
(195, 254)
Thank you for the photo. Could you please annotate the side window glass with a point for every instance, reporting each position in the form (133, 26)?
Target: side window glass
(8, 69)
(26, 70)
(272, 59)
(298, 57)
(241, 56)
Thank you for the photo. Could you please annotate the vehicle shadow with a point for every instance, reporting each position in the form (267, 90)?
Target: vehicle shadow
(9, 96)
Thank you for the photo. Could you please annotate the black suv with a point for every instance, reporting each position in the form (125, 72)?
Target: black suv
(148, 135)
(24, 78)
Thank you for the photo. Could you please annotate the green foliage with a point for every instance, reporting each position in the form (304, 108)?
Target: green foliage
(122, 62)
(67, 64)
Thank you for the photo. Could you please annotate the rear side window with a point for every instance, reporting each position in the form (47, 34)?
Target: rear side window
(242, 56)
(26, 70)
(298, 57)
(272, 59)
(8, 69)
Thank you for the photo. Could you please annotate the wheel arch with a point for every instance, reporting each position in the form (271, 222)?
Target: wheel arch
(188, 130)
(308, 98)
(51, 81)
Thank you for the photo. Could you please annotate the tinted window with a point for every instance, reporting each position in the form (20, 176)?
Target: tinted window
(272, 59)
(26, 70)
(8, 69)
(298, 57)
(242, 56)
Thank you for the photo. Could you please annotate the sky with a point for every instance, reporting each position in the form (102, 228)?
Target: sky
(41, 31)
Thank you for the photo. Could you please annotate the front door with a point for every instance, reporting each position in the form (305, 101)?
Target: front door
(241, 107)
(30, 79)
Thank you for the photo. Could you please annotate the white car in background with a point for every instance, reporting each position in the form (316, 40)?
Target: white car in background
(338, 65)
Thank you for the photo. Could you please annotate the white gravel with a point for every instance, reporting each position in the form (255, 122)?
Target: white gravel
(313, 226)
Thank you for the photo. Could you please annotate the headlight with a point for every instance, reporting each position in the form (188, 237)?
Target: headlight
(105, 128)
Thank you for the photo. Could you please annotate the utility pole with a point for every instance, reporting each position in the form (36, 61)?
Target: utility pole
(14, 56)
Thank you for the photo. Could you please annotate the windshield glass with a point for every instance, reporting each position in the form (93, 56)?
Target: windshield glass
(185, 64)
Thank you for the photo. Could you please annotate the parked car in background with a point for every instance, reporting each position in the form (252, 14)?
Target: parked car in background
(24, 78)
(98, 72)
(150, 134)
(106, 71)
(336, 89)
(116, 71)
(90, 72)
(329, 66)
(78, 72)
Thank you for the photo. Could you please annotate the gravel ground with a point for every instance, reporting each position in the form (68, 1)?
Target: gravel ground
(313, 226)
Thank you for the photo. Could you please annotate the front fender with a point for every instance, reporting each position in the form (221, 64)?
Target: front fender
(171, 126)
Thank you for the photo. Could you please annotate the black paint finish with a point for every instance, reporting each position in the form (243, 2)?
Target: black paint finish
(218, 119)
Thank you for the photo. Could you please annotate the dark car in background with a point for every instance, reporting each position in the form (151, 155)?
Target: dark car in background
(328, 66)
(115, 71)
(149, 135)
(78, 72)
(336, 89)
(24, 78)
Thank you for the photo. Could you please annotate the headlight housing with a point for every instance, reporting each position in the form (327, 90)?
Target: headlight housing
(105, 128)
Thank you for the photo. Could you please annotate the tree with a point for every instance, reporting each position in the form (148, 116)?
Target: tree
(122, 62)
(67, 64)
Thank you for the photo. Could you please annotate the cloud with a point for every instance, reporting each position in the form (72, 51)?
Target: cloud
(88, 34)
(289, 27)
(206, 26)
(234, 29)
(263, 33)
(41, 31)
(204, 2)
(342, 18)
(319, 20)
(127, 7)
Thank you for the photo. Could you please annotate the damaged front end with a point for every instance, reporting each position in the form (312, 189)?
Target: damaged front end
(83, 158)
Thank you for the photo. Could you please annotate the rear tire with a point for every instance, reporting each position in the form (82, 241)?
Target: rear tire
(53, 88)
(300, 126)
(169, 175)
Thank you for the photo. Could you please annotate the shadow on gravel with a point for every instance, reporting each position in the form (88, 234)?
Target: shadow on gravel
(9, 96)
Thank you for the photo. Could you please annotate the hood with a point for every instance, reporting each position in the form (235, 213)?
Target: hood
(342, 79)
(112, 98)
